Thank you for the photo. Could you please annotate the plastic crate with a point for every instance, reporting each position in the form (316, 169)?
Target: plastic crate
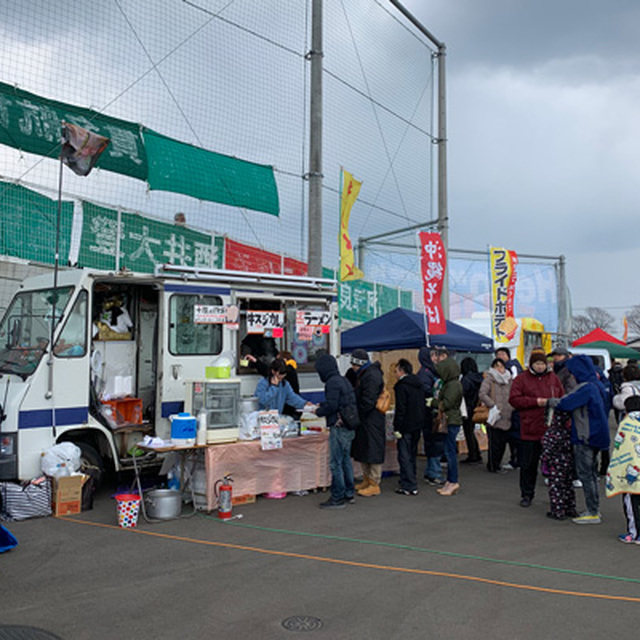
(126, 410)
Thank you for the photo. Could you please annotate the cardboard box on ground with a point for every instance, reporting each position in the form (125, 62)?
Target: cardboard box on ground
(67, 495)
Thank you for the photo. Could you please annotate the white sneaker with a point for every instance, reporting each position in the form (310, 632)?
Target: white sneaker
(577, 484)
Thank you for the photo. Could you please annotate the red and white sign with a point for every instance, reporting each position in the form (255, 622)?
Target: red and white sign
(433, 263)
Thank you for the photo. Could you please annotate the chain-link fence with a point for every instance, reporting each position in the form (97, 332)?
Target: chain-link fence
(231, 77)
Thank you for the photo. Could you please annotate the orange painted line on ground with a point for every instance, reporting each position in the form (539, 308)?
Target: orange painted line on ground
(361, 565)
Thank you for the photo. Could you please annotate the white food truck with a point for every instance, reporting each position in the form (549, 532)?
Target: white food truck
(131, 341)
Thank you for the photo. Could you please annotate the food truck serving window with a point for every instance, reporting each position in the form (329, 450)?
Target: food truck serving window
(269, 327)
(186, 337)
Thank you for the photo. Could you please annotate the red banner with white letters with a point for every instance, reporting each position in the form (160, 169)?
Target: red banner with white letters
(433, 263)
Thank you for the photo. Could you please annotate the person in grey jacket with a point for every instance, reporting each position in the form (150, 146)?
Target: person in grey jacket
(494, 392)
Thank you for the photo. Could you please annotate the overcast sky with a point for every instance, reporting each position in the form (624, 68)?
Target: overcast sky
(543, 101)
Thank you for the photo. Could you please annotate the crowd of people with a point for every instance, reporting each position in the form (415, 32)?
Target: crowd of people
(551, 417)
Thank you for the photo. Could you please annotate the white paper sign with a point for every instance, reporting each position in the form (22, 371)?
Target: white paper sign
(270, 437)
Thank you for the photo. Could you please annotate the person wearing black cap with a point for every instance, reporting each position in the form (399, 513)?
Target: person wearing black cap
(529, 394)
(370, 440)
(560, 355)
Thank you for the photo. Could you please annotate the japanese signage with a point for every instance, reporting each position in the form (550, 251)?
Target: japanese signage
(269, 424)
(350, 191)
(503, 287)
(34, 124)
(312, 322)
(266, 322)
(143, 242)
(433, 261)
(209, 314)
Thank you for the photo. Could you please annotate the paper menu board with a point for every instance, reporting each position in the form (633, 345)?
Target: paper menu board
(270, 437)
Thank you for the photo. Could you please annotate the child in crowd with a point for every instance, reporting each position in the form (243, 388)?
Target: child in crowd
(623, 474)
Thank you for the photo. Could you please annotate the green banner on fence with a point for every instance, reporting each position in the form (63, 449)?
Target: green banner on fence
(144, 243)
(28, 224)
(34, 124)
(183, 168)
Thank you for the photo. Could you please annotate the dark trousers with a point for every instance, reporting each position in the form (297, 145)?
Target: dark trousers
(473, 448)
(498, 439)
(530, 451)
(407, 452)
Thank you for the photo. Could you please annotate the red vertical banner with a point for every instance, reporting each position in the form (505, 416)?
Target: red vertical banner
(433, 263)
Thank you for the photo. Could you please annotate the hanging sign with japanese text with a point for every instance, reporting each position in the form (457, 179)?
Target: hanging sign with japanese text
(433, 263)
(503, 289)
(265, 321)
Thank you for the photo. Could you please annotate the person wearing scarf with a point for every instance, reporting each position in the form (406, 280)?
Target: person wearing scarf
(529, 394)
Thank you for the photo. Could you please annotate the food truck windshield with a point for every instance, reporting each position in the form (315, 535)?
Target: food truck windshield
(25, 329)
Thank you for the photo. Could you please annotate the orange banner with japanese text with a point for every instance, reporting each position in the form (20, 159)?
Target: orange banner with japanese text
(433, 264)
(350, 191)
(503, 265)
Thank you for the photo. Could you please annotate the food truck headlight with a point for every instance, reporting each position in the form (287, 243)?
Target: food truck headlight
(7, 445)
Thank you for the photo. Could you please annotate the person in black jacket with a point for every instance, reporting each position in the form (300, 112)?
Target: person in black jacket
(370, 441)
(338, 393)
(410, 416)
(471, 381)
(433, 443)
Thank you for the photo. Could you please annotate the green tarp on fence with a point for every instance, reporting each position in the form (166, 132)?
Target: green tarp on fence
(182, 168)
(31, 123)
(28, 224)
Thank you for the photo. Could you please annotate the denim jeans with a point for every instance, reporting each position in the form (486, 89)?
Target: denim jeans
(451, 451)
(433, 469)
(340, 440)
(587, 470)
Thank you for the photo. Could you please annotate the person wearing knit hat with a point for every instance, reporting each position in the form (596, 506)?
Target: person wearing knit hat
(529, 394)
(359, 357)
(370, 441)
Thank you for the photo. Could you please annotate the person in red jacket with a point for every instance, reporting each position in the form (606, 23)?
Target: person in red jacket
(529, 394)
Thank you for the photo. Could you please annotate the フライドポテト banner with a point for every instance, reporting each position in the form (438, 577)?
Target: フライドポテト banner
(503, 289)
(433, 263)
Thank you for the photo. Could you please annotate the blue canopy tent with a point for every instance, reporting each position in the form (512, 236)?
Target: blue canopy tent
(404, 329)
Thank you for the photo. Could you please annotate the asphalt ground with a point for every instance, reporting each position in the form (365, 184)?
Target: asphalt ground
(475, 565)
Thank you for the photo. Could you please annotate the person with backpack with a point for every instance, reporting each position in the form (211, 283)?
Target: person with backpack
(370, 442)
(407, 422)
(340, 410)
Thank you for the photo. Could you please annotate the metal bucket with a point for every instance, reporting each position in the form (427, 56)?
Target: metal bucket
(163, 504)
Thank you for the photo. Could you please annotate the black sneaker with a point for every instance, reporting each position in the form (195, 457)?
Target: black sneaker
(333, 504)
(350, 499)
(525, 502)
(406, 492)
(434, 482)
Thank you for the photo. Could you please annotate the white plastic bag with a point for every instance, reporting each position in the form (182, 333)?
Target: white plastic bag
(463, 409)
(249, 428)
(61, 460)
(494, 415)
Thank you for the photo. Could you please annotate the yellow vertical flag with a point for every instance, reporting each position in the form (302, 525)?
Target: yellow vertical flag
(350, 191)
(625, 323)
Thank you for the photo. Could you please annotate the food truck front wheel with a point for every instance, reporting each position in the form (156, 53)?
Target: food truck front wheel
(91, 462)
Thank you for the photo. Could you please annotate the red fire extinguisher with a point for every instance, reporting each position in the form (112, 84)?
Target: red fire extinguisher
(223, 490)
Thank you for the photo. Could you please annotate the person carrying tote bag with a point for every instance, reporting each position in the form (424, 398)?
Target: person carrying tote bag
(494, 394)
